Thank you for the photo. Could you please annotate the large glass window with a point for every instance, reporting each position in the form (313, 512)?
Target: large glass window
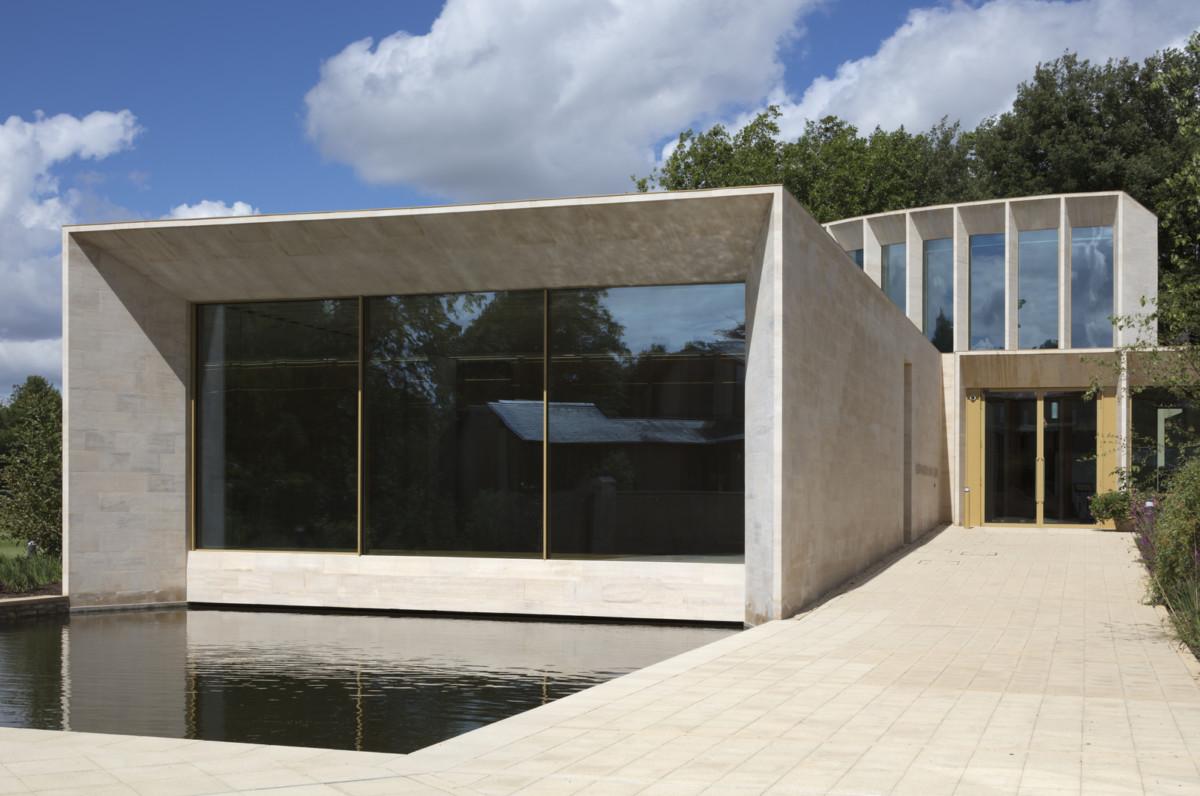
(646, 421)
(986, 268)
(857, 256)
(1166, 431)
(939, 293)
(894, 268)
(1091, 287)
(277, 397)
(453, 423)
(1037, 288)
(645, 418)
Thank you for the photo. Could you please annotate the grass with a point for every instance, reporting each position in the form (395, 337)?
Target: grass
(11, 549)
(21, 574)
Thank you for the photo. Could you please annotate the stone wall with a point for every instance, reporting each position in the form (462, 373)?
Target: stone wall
(682, 591)
(845, 348)
(126, 357)
(15, 609)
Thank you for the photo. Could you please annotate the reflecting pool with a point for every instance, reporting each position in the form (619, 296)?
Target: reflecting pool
(372, 683)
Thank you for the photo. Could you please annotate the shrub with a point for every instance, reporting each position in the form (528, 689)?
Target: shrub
(1144, 514)
(1110, 506)
(31, 467)
(1177, 530)
(1183, 601)
(20, 574)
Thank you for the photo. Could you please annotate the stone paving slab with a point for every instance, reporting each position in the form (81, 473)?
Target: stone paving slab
(1003, 661)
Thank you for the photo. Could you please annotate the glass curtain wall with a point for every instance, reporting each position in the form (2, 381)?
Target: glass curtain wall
(939, 293)
(452, 404)
(1037, 288)
(277, 405)
(646, 413)
(1091, 287)
(857, 256)
(894, 270)
(646, 421)
(986, 273)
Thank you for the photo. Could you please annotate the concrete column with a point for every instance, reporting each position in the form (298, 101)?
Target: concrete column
(916, 273)
(1135, 260)
(1011, 264)
(764, 432)
(1064, 277)
(872, 254)
(962, 281)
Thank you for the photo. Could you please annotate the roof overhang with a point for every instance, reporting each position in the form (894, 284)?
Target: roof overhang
(650, 238)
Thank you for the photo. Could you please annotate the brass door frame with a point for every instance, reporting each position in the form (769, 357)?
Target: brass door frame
(975, 438)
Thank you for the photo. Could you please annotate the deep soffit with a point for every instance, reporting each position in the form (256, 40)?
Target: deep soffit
(700, 236)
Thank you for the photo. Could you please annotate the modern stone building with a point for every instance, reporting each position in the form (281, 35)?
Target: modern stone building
(684, 406)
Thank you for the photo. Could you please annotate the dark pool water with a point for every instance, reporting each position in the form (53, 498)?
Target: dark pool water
(374, 683)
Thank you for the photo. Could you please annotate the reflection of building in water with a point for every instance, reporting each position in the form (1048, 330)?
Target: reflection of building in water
(352, 682)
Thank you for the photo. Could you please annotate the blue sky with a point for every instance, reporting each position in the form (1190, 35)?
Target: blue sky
(141, 110)
(218, 89)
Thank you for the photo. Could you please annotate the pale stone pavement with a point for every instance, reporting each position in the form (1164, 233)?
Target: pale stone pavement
(981, 662)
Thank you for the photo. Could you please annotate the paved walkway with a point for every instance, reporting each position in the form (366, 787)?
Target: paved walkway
(1000, 661)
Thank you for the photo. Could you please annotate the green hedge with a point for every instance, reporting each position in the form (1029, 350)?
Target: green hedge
(1177, 529)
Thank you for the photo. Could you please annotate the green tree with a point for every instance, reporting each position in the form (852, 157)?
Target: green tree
(1177, 202)
(718, 158)
(31, 469)
(5, 430)
(830, 168)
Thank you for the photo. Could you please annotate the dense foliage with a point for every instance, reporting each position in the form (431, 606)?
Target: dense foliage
(31, 467)
(1177, 537)
(1074, 126)
(24, 574)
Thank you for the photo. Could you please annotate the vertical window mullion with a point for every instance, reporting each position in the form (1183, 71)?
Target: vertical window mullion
(362, 357)
(545, 424)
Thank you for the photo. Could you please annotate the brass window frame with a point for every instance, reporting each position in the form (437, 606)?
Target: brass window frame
(360, 473)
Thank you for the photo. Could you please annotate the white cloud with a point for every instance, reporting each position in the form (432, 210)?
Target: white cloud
(965, 61)
(531, 98)
(211, 208)
(32, 210)
(22, 358)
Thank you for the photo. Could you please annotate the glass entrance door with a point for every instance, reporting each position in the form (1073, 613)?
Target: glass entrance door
(1069, 445)
(1039, 458)
(1010, 458)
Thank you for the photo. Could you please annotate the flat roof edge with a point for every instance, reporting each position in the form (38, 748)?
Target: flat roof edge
(471, 207)
(978, 202)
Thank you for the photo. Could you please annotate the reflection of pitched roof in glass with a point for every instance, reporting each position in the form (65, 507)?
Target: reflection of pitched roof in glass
(584, 423)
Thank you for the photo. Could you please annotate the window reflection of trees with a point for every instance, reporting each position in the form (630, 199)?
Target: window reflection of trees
(658, 469)
(452, 419)
(439, 477)
(277, 387)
